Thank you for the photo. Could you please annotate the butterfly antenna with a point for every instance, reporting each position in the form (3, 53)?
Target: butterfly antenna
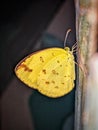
(66, 36)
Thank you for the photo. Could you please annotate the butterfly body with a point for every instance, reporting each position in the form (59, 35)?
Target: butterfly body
(50, 71)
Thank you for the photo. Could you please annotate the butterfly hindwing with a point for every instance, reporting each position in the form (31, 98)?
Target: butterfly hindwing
(57, 78)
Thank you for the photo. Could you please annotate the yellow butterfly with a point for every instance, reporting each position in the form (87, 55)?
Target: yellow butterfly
(50, 71)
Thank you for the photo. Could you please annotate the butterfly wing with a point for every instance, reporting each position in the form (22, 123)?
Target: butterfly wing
(57, 77)
(28, 69)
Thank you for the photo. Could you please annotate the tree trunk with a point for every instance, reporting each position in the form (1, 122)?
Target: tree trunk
(87, 33)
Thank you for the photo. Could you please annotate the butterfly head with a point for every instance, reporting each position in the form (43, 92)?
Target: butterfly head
(67, 49)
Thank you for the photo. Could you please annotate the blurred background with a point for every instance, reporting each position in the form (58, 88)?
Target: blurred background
(25, 27)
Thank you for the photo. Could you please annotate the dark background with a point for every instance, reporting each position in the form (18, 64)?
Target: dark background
(23, 24)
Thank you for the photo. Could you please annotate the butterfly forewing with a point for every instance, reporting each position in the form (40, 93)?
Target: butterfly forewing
(28, 69)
